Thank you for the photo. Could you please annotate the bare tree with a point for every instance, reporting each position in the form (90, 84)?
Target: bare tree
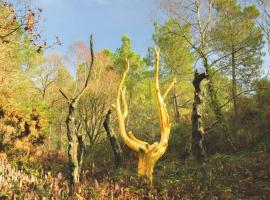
(18, 19)
(198, 148)
(75, 138)
(47, 73)
(91, 111)
(148, 154)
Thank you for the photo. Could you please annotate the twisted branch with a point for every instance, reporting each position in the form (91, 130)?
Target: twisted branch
(157, 149)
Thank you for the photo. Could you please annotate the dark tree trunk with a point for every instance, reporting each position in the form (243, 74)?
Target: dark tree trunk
(176, 109)
(197, 146)
(59, 139)
(81, 150)
(117, 151)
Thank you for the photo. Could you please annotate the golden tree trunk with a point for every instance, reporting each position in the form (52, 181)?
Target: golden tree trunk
(146, 166)
(148, 154)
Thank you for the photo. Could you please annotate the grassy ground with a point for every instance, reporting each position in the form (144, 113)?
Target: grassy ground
(240, 176)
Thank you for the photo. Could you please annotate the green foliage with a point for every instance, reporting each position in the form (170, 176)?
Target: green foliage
(180, 141)
(137, 65)
(177, 62)
(126, 52)
(236, 32)
(174, 48)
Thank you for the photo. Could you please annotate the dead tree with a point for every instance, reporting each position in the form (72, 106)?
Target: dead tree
(197, 144)
(76, 144)
(148, 154)
(116, 148)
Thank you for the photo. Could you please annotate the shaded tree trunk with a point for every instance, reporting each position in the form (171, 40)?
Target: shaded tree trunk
(234, 87)
(176, 108)
(59, 140)
(116, 148)
(81, 151)
(197, 145)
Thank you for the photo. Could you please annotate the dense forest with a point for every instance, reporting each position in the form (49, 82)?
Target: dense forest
(189, 120)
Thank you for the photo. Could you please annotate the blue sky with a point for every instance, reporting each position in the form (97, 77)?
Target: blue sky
(74, 20)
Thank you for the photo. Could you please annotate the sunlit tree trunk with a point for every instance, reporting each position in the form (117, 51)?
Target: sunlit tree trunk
(146, 165)
(147, 154)
(176, 107)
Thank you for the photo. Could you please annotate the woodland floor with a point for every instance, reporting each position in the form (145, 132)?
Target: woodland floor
(239, 176)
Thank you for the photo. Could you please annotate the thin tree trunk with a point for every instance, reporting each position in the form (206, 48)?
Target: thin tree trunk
(197, 146)
(116, 148)
(59, 139)
(176, 109)
(234, 87)
(81, 151)
(49, 138)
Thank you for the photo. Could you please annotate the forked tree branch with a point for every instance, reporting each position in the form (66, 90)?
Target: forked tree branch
(88, 74)
(158, 148)
(64, 95)
(89, 68)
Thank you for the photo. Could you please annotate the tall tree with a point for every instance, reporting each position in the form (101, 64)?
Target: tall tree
(236, 34)
(76, 146)
(199, 15)
(264, 20)
(148, 154)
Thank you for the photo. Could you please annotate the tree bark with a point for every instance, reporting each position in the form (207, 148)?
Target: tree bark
(76, 146)
(81, 151)
(116, 148)
(148, 154)
(176, 109)
(146, 166)
(197, 146)
(72, 144)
